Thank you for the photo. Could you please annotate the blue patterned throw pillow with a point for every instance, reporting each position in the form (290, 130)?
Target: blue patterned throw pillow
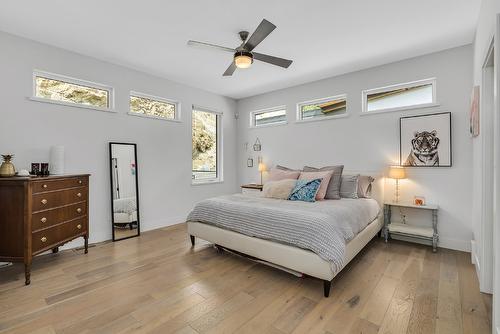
(305, 190)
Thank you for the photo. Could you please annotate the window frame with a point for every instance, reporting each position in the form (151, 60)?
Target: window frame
(219, 142)
(366, 92)
(299, 118)
(74, 81)
(261, 111)
(177, 112)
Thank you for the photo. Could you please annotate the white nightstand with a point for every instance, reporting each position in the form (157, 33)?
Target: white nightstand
(252, 189)
(407, 231)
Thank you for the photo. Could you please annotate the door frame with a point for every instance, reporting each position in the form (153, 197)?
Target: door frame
(496, 192)
(487, 124)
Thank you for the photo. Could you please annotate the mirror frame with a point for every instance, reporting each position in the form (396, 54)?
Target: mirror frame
(136, 189)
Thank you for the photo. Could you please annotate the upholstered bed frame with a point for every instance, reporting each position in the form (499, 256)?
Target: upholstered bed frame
(296, 259)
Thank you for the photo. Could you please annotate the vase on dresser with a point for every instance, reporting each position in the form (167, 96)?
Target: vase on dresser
(7, 168)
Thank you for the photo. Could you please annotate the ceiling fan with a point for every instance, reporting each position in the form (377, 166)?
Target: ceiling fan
(243, 54)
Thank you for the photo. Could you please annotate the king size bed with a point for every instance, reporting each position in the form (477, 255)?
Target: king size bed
(317, 239)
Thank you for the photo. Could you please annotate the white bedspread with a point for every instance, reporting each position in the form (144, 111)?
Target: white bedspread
(323, 227)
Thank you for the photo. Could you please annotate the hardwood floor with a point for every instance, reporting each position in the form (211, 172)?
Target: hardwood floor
(159, 284)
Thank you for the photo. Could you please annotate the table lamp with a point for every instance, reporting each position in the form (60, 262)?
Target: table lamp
(397, 173)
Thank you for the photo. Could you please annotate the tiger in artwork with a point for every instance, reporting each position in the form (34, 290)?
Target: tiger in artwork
(424, 149)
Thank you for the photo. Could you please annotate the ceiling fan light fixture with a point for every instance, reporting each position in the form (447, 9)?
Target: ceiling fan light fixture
(243, 59)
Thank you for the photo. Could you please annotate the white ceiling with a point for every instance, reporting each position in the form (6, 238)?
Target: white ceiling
(322, 37)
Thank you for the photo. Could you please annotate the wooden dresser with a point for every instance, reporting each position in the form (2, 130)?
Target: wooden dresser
(38, 214)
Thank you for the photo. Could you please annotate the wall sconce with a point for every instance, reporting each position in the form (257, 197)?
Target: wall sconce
(249, 162)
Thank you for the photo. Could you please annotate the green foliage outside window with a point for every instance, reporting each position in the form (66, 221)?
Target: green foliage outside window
(151, 107)
(204, 149)
(58, 90)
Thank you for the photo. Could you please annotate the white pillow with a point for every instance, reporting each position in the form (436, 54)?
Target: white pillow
(278, 189)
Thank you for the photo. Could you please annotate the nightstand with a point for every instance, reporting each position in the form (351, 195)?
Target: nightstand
(428, 235)
(252, 189)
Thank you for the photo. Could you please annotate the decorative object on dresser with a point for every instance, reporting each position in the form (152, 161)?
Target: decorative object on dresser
(397, 173)
(23, 172)
(124, 191)
(35, 168)
(252, 189)
(425, 140)
(7, 168)
(38, 214)
(408, 232)
(44, 169)
(57, 160)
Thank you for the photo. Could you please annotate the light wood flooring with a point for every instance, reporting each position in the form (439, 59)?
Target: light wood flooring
(159, 284)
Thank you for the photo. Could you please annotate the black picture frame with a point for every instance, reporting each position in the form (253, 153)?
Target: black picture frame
(402, 159)
(110, 146)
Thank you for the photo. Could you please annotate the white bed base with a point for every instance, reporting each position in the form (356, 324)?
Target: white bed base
(294, 258)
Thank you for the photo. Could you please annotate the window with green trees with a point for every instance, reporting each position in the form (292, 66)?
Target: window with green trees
(205, 140)
(151, 106)
(71, 91)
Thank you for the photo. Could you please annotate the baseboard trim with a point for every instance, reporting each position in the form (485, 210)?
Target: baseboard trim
(145, 226)
(474, 259)
(156, 224)
(455, 244)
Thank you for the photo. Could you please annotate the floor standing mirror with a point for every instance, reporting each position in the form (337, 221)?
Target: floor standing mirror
(124, 191)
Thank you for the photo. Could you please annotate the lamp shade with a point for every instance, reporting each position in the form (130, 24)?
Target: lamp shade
(243, 59)
(262, 167)
(397, 172)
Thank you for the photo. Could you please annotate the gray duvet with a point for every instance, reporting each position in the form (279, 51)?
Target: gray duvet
(323, 227)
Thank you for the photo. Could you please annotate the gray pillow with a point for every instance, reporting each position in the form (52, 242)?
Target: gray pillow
(333, 190)
(365, 186)
(286, 168)
(349, 186)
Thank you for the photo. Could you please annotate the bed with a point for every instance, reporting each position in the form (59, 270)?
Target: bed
(316, 239)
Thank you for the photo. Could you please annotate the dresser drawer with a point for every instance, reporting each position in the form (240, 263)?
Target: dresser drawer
(44, 201)
(52, 217)
(49, 185)
(48, 238)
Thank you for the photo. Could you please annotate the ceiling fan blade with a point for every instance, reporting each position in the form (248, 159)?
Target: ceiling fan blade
(272, 60)
(263, 30)
(230, 70)
(214, 46)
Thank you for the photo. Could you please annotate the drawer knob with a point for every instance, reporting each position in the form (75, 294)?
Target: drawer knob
(44, 201)
(79, 226)
(79, 181)
(79, 195)
(43, 220)
(45, 186)
(79, 210)
(44, 239)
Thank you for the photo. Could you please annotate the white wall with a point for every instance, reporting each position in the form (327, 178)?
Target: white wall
(372, 142)
(29, 128)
